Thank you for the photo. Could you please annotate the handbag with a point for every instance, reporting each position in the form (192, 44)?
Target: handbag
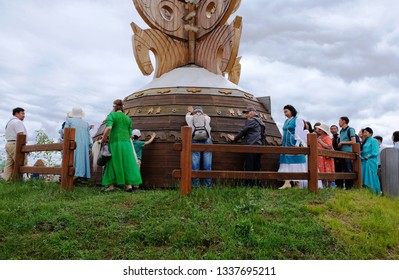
(104, 156)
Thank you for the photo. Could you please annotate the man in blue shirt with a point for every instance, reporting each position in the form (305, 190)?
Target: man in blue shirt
(345, 145)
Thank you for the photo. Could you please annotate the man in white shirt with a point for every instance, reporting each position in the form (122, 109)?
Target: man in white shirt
(14, 127)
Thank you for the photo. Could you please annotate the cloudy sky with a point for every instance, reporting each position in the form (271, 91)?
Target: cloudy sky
(327, 58)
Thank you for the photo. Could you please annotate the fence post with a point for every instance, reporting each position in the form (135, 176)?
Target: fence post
(312, 163)
(185, 161)
(357, 166)
(68, 171)
(19, 159)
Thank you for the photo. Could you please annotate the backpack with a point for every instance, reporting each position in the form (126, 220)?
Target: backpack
(200, 133)
(356, 136)
(262, 132)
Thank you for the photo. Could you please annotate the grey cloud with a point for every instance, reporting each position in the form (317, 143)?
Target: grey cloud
(327, 58)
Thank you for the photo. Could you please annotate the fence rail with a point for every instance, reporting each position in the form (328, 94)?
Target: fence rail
(66, 170)
(185, 173)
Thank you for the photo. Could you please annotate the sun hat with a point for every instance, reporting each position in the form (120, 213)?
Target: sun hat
(136, 133)
(323, 127)
(76, 112)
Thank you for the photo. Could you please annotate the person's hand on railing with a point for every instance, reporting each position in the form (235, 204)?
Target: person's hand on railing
(230, 137)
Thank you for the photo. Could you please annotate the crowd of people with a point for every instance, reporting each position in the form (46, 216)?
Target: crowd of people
(295, 131)
(294, 134)
(126, 147)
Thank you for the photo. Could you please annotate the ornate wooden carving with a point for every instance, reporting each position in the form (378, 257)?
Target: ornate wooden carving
(226, 92)
(169, 53)
(218, 52)
(163, 91)
(185, 32)
(194, 90)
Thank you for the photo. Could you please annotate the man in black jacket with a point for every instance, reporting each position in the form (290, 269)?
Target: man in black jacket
(254, 134)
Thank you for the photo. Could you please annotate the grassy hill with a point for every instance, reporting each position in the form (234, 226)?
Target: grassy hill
(37, 221)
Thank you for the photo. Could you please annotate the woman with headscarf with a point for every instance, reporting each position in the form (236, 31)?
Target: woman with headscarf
(122, 169)
(369, 156)
(292, 130)
(81, 161)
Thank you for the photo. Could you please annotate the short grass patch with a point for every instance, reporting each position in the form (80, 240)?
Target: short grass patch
(38, 221)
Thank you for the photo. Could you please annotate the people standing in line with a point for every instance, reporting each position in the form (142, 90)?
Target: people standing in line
(325, 164)
(347, 137)
(81, 161)
(291, 131)
(395, 139)
(122, 169)
(337, 161)
(369, 156)
(303, 134)
(309, 127)
(139, 145)
(360, 135)
(254, 134)
(201, 134)
(314, 127)
(381, 147)
(61, 130)
(14, 127)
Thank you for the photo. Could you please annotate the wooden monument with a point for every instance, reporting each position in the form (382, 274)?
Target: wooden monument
(196, 64)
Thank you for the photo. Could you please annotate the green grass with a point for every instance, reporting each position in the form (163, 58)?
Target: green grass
(38, 221)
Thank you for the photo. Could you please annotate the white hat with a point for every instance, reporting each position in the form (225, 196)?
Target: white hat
(324, 127)
(136, 133)
(76, 112)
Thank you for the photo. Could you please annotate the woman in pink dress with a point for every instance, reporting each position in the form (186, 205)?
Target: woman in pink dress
(325, 164)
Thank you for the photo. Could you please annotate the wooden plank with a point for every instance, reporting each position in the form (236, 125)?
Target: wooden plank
(336, 154)
(185, 163)
(357, 166)
(263, 175)
(42, 148)
(226, 148)
(312, 163)
(68, 171)
(41, 170)
(338, 175)
(19, 157)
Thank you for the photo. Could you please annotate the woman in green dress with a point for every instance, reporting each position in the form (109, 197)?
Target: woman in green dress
(122, 169)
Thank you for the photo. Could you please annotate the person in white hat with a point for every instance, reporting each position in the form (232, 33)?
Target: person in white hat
(325, 165)
(81, 161)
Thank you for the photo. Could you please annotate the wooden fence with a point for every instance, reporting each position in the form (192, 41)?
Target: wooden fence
(186, 147)
(390, 171)
(66, 170)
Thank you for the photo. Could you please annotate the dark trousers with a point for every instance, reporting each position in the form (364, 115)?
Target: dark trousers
(252, 163)
(347, 166)
(337, 165)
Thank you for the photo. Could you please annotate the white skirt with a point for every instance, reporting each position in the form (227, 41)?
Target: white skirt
(298, 167)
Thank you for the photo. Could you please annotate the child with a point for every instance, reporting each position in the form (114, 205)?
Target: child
(138, 146)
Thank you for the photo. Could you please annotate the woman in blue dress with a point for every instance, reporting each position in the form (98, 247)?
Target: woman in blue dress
(292, 130)
(81, 161)
(369, 156)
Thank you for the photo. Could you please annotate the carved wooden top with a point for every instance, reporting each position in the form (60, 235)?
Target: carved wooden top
(188, 32)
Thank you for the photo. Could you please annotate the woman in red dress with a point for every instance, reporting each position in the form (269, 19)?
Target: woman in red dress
(325, 164)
